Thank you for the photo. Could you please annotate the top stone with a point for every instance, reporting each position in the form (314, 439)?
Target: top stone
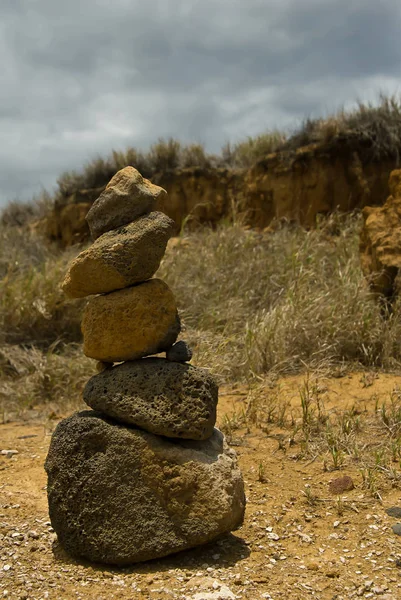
(127, 196)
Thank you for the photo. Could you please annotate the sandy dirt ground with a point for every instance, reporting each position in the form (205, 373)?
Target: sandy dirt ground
(288, 547)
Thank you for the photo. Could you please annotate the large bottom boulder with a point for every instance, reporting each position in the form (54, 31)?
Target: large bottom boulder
(119, 495)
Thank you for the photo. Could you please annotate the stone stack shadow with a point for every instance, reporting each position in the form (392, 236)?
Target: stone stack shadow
(145, 473)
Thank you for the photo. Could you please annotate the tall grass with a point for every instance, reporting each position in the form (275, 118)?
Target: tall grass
(282, 300)
(244, 154)
(31, 379)
(250, 302)
(18, 213)
(33, 309)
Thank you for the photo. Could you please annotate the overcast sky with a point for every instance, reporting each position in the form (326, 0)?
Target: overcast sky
(81, 77)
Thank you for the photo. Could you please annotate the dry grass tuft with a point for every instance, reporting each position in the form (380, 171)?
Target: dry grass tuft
(32, 380)
(245, 154)
(375, 129)
(33, 308)
(19, 214)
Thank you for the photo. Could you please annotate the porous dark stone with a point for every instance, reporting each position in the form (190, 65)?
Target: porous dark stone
(119, 495)
(179, 352)
(166, 398)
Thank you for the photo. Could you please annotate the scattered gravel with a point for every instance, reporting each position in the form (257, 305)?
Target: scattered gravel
(288, 548)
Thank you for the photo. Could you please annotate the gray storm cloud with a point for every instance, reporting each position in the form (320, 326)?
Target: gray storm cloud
(83, 77)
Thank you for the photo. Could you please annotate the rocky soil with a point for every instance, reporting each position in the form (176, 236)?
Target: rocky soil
(298, 541)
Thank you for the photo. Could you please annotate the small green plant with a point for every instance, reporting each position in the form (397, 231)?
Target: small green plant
(390, 414)
(396, 449)
(380, 457)
(370, 481)
(310, 497)
(349, 422)
(231, 422)
(340, 506)
(261, 473)
(336, 453)
(306, 405)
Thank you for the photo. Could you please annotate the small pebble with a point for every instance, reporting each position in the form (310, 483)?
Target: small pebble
(179, 352)
(33, 535)
(394, 511)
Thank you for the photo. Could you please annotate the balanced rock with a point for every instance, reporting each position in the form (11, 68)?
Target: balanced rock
(130, 323)
(120, 258)
(120, 495)
(179, 352)
(166, 398)
(126, 197)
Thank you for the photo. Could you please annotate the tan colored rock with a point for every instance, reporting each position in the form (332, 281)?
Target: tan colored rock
(380, 240)
(127, 196)
(120, 258)
(130, 323)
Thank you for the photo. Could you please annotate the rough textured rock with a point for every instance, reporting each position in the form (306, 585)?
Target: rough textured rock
(120, 258)
(179, 352)
(341, 485)
(162, 397)
(130, 323)
(126, 197)
(380, 240)
(120, 495)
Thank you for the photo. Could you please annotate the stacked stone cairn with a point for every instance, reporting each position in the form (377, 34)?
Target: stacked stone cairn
(144, 473)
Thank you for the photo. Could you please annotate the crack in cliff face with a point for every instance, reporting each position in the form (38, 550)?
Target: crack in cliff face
(296, 186)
